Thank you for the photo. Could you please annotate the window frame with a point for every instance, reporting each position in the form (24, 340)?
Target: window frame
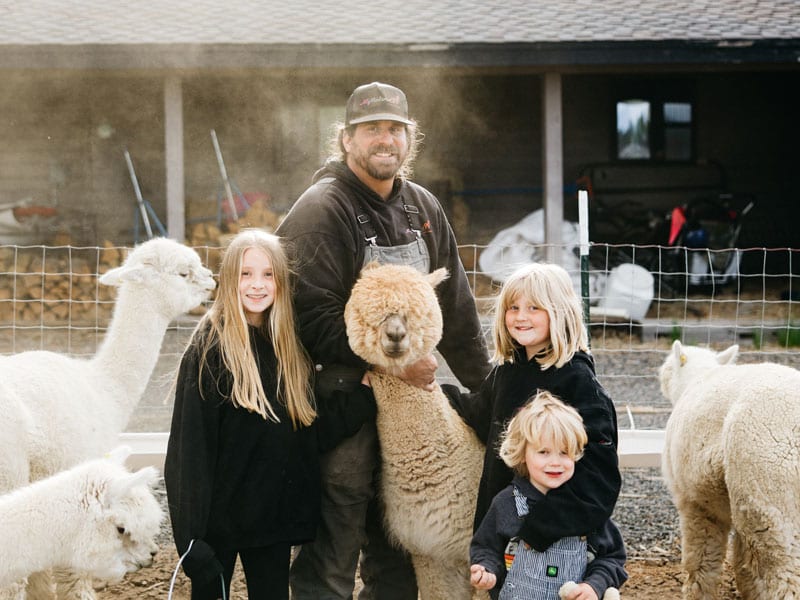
(657, 127)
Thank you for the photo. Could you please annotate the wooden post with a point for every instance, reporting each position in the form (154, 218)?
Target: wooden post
(173, 149)
(553, 166)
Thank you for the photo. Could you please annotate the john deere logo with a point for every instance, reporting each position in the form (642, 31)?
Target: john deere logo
(552, 571)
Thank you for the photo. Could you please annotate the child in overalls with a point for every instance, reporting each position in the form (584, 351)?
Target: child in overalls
(542, 443)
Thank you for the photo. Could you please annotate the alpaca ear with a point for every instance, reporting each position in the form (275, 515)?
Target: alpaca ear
(112, 277)
(121, 486)
(119, 454)
(437, 277)
(373, 264)
(119, 275)
(144, 476)
(729, 355)
(677, 352)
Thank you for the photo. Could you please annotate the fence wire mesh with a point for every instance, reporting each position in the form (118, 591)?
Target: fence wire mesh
(641, 298)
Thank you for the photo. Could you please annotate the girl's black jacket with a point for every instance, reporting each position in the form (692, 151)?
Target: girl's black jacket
(585, 502)
(235, 480)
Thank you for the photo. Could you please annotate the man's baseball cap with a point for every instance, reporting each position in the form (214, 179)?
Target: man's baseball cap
(377, 102)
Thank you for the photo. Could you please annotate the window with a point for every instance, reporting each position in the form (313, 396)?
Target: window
(654, 130)
(677, 131)
(633, 129)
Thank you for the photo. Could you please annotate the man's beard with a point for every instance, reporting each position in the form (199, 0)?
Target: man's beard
(381, 171)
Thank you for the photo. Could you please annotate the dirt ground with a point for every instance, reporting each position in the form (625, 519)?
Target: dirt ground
(650, 579)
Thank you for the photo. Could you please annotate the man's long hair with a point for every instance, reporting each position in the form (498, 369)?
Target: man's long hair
(413, 135)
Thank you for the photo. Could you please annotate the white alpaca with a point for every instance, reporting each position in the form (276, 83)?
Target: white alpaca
(732, 464)
(431, 460)
(62, 409)
(97, 518)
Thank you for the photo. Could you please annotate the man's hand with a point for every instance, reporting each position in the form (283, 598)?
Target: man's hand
(480, 578)
(421, 374)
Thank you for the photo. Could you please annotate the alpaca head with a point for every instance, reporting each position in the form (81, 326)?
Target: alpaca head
(170, 269)
(685, 363)
(121, 521)
(393, 316)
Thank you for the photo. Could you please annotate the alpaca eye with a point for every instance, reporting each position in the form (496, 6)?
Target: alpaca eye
(120, 530)
(184, 274)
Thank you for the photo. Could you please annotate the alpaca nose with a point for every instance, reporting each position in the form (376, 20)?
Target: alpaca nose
(395, 329)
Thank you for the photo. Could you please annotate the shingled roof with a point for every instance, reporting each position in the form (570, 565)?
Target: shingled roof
(429, 28)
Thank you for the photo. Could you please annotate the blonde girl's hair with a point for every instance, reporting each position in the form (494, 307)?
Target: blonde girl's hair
(225, 323)
(544, 420)
(549, 287)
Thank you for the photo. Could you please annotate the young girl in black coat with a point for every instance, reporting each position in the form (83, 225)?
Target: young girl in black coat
(242, 464)
(540, 343)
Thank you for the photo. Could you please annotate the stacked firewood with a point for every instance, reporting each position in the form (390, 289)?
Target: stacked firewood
(53, 285)
(208, 238)
(59, 284)
(259, 214)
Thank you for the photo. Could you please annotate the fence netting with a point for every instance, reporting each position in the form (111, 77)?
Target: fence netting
(640, 297)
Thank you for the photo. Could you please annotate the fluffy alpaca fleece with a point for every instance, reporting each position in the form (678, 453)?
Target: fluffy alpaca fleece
(96, 518)
(732, 464)
(61, 410)
(431, 460)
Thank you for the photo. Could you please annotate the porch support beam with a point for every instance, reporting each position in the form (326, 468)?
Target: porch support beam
(173, 155)
(552, 166)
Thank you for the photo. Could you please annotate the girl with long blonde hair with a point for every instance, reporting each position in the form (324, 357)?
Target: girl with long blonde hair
(242, 464)
(228, 322)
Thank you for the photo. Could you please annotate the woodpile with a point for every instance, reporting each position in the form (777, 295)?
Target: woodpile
(211, 238)
(58, 285)
(53, 285)
(208, 232)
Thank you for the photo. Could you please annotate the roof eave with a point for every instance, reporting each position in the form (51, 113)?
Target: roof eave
(543, 55)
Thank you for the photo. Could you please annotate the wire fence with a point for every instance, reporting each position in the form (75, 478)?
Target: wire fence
(640, 299)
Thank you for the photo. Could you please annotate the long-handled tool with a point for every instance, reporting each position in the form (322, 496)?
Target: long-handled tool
(227, 183)
(145, 208)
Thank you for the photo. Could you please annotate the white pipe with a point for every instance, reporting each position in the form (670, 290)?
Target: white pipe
(637, 448)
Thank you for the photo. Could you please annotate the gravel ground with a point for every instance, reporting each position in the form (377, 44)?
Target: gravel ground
(628, 369)
(644, 512)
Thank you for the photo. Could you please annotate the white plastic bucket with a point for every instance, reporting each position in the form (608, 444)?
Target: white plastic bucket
(630, 288)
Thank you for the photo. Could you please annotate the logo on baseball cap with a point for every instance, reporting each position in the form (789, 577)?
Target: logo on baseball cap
(377, 102)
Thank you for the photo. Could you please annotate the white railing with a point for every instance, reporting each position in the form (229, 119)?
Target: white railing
(637, 448)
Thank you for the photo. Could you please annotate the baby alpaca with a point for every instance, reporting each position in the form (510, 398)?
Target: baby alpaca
(431, 460)
(732, 463)
(96, 518)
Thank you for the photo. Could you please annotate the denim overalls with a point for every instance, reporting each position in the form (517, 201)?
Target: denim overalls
(538, 575)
